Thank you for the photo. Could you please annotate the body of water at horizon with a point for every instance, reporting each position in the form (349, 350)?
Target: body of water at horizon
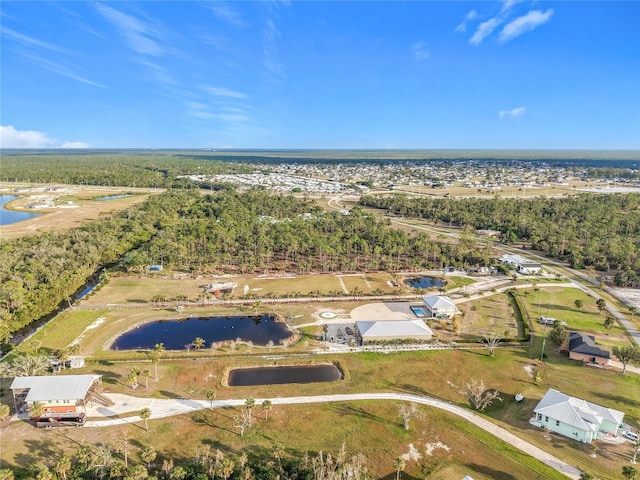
(8, 217)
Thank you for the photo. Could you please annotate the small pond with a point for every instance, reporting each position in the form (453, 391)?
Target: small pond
(7, 217)
(111, 197)
(175, 334)
(423, 282)
(245, 377)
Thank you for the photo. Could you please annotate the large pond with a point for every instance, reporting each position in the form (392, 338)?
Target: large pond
(7, 217)
(245, 377)
(176, 334)
(423, 282)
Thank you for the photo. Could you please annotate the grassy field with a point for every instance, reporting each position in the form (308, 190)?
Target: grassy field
(134, 289)
(370, 427)
(559, 303)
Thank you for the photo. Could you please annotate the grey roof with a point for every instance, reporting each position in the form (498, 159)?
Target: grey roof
(390, 328)
(585, 344)
(529, 264)
(573, 411)
(60, 387)
(438, 302)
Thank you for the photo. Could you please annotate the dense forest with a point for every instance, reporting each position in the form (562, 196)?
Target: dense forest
(128, 169)
(602, 231)
(226, 231)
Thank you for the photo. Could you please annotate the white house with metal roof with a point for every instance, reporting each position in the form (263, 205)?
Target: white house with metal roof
(575, 418)
(371, 331)
(439, 306)
(58, 395)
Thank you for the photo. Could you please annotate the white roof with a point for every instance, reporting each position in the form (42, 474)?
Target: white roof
(439, 302)
(390, 328)
(59, 387)
(576, 412)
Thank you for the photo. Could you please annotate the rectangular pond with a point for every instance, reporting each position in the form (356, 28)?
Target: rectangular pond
(247, 377)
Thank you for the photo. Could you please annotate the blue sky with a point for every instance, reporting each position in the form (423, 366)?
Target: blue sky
(303, 74)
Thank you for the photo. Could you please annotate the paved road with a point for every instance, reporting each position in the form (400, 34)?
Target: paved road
(161, 408)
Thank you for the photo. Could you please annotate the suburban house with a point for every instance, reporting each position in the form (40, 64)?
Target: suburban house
(439, 306)
(372, 331)
(575, 418)
(523, 266)
(529, 268)
(583, 347)
(58, 395)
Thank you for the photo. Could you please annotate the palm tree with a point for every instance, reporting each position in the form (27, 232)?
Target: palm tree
(36, 410)
(4, 411)
(226, 468)
(249, 404)
(399, 464)
(266, 406)
(145, 414)
(155, 359)
(146, 374)
(148, 455)
(198, 343)
(63, 467)
(629, 472)
(211, 396)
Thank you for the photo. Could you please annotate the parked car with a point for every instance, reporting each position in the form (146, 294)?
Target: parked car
(633, 436)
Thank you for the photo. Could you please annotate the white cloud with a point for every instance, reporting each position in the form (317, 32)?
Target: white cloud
(513, 113)
(506, 6)
(523, 24)
(30, 41)
(136, 33)
(60, 69)
(227, 13)
(462, 27)
(420, 51)
(484, 30)
(224, 92)
(10, 137)
(75, 145)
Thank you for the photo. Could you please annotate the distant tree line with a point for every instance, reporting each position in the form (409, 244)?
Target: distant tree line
(125, 169)
(226, 231)
(602, 231)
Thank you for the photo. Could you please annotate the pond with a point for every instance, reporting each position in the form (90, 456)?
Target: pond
(7, 217)
(245, 377)
(176, 334)
(423, 282)
(111, 197)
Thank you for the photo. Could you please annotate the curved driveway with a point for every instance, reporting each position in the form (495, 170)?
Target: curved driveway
(161, 408)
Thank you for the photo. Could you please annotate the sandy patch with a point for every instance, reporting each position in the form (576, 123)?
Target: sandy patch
(430, 447)
(99, 321)
(412, 454)
(531, 370)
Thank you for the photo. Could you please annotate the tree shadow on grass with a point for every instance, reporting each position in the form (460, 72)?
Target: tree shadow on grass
(617, 398)
(201, 418)
(344, 409)
(491, 472)
(108, 377)
(166, 394)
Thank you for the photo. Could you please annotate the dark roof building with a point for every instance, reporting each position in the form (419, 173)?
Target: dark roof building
(583, 347)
